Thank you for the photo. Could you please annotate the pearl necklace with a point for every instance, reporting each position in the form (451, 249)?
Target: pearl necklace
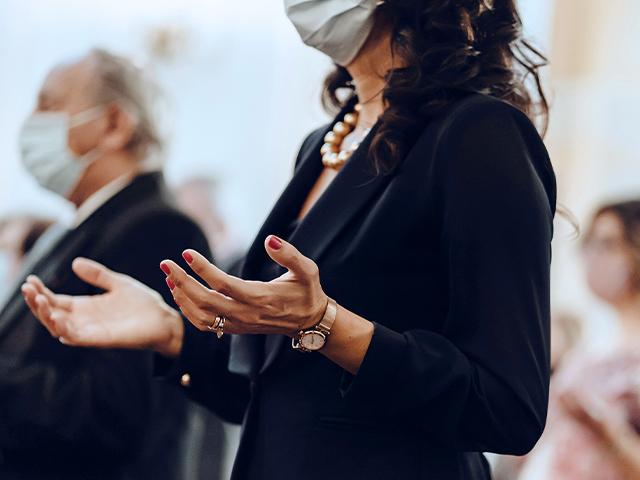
(332, 154)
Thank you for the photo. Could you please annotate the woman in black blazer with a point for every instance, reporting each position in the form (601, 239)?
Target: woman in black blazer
(392, 315)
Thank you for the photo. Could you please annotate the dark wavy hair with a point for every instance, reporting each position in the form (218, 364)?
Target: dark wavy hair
(449, 48)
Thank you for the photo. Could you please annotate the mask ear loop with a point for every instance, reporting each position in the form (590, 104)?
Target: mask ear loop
(81, 118)
(86, 116)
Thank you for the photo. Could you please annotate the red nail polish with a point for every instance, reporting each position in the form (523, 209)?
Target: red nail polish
(275, 243)
(187, 256)
(170, 284)
(165, 268)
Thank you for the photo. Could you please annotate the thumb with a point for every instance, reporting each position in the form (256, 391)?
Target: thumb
(288, 256)
(94, 273)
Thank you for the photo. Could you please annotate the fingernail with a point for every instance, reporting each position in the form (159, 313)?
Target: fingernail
(165, 268)
(187, 256)
(275, 243)
(170, 284)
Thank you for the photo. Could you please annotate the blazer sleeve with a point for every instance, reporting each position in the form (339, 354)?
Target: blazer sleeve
(102, 398)
(201, 370)
(480, 384)
(51, 407)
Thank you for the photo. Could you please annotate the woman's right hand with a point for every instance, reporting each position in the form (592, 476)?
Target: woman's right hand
(128, 315)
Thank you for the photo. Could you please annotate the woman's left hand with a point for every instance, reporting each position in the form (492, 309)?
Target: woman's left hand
(292, 302)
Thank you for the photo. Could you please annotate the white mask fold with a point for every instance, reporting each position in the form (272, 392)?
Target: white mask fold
(338, 28)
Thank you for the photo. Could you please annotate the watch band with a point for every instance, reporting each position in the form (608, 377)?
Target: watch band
(329, 317)
(323, 327)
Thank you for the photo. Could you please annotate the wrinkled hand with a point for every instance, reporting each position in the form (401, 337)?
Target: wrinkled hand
(129, 315)
(286, 305)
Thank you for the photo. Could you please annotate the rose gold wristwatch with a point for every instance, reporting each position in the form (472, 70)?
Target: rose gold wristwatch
(315, 338)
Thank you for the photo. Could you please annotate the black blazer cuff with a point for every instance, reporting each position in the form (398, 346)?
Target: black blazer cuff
(196, 357)
(379, 369)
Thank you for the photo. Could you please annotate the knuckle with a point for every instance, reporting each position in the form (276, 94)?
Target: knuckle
(203, 300)
(203, 319)
(224, 287)
(199, 325)
(310, 268)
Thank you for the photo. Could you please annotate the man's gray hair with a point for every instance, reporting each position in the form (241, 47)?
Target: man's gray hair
(120, 81)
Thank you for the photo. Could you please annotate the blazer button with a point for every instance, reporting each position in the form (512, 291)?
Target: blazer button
(185, 380)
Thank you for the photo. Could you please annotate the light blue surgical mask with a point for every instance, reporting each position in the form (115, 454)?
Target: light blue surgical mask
(45, 150)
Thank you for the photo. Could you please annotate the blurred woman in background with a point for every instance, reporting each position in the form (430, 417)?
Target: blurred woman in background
(393, 316)
(594, 421)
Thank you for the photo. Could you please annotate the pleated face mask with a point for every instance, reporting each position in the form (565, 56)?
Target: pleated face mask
(338, 28)
(46, 154)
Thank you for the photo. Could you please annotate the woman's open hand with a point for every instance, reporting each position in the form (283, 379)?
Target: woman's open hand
(129, 315)
(286, 305)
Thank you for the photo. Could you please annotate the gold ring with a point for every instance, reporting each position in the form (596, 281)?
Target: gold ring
(216, 322)
(218, 325)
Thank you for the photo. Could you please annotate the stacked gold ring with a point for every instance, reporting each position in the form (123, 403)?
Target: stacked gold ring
(218, 325)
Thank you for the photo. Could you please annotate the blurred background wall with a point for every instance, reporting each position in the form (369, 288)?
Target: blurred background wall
(594, 77)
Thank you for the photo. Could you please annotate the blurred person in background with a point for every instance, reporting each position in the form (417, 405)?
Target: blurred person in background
(372, 340)
(71, 413)
(594, 419)
(197, 196)
(18, 235)
(566, 335)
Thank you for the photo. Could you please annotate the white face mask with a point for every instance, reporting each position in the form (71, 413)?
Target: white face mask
(338, 28)
(46, 153)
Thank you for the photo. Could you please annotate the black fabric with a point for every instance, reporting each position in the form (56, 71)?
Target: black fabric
(87, 413)
(449, 256)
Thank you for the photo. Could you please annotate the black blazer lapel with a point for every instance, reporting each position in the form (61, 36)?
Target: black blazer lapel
(345, 198)
(347, 195)
(247, 351)
(39, 262)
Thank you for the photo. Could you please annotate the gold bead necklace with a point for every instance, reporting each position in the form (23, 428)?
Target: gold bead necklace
(332, 154)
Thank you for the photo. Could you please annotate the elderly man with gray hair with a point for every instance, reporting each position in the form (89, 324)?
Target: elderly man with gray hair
(79, 414)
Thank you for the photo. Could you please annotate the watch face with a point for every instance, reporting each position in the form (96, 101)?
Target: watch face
(313, 340)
